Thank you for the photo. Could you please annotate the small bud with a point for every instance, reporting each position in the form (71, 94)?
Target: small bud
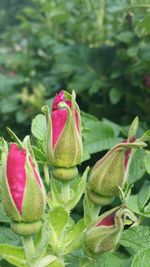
(104, 234)
(23, 193)
(64, 141)
(147, 81)
(110, 172)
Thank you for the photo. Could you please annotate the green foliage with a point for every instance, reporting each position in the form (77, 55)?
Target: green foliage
(109, 259)
(140, 237)
(145, 3)
(99, 48)
(141, 258)
(14, 255)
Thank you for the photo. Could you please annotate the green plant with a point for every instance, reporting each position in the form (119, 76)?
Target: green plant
(95, 239)
(99, 48)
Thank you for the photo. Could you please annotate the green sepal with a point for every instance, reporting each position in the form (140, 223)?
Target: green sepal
(29, 150)
(133, 128)
(14, 137)
(8, 202)
(49, 146)
(33, 206)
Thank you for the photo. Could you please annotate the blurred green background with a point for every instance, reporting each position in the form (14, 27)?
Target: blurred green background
(99, 48)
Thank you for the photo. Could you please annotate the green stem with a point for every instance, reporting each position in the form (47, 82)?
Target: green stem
(91, 210)
(138, 222)
(29, 249)
(46, 174)
(65, 191)
(30, 252)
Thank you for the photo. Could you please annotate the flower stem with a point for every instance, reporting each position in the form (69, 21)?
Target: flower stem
(138, 221)
(46, 174)
(29, 249)
(32, 258)
(65, 191)
(91, 210)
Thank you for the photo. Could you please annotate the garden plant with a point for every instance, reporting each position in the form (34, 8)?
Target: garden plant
(41, 186)
(76, 190)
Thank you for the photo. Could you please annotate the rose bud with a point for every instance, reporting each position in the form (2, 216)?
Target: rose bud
(111, 172)
(147, 81)
(64, 141)
(104, 234)
(22, 189)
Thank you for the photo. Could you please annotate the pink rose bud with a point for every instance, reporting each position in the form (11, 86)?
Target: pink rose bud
(147, 81)
(111, 172)
(104, 234)
(22, 189)
(64, 141)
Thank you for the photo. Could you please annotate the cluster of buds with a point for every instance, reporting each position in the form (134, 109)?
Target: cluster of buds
(22, 188)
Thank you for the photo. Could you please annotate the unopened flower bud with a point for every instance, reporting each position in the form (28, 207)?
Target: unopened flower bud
(147, 81)
(23, 193)
(110, 172)
(64, 141)
(104, 234)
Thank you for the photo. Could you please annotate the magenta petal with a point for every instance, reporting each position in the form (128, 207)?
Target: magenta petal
(108, 220)
(58, 98)
(16, 175)
(126, 158)
(59, 118)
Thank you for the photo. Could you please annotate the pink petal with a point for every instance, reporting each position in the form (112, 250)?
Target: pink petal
(16, 174)
(59, 118)
(128, 152)
(58, 98)
(108, 220)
